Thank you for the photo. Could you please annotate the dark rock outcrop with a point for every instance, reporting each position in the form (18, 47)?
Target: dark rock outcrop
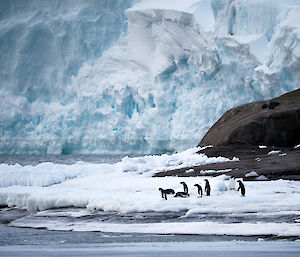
(283, 165)
(272, 123)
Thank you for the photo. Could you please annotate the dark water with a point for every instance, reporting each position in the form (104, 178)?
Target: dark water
(155, 249)
(39, 242)
(61, 159)
(28, 236)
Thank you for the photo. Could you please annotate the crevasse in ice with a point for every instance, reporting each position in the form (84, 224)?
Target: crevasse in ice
(139, 77)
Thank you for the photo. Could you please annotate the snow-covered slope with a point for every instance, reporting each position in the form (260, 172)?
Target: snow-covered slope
(76, 82)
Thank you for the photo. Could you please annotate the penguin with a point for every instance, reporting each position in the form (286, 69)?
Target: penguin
(181, 194)
(185, 187)
(242, 187)
(207, 187)
(165, 192)
(200, 192)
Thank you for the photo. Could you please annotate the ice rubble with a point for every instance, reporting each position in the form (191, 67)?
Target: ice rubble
(128, 187)
(157, 88)
(47, 173)
(110, 190)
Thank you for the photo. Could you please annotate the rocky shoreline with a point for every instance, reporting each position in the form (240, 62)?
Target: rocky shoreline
(277, 165)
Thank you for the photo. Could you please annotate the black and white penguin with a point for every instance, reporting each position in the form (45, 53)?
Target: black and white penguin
(207, 187)
(165, 192)
(242, 187)
(181, 194)
(185, 187)
(200, 192)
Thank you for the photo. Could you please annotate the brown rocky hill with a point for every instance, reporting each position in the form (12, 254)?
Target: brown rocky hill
(273, 123)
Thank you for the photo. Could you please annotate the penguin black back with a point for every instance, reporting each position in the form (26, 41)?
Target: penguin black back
(181, 194)
(185, 187)
(200, 192)
(165, 192)
(242, 187)
(207, 187)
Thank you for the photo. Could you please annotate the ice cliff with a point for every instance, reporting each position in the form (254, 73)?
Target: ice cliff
(74, 79)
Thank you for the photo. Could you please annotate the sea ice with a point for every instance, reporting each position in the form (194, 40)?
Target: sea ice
(196, 228)
(262, 146)
(251, 174)
(274, 152)
(47, 174)
(128, 186)
(261, 178)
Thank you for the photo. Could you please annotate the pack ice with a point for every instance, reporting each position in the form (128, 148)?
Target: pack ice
(123, 197)
(137, 76)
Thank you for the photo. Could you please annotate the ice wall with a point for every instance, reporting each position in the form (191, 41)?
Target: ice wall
(44, 43)
(76, 82)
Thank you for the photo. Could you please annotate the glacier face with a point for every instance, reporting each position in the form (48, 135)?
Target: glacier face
(76, 81)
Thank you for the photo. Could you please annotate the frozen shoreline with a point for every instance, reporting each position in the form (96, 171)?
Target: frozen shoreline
(271, 163)
(123, 197)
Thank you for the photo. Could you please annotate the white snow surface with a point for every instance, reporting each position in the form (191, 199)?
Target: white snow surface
(128, 186)
(251, 174)
(201, 228)
(261, 178)
(274, 152)
(47, 174)
(190, 228)
(153, 83)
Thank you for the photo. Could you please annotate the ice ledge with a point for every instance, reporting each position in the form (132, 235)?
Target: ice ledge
(160, 40)
(201, 10)
(258, 45)
(155, 38)
(153, 15)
